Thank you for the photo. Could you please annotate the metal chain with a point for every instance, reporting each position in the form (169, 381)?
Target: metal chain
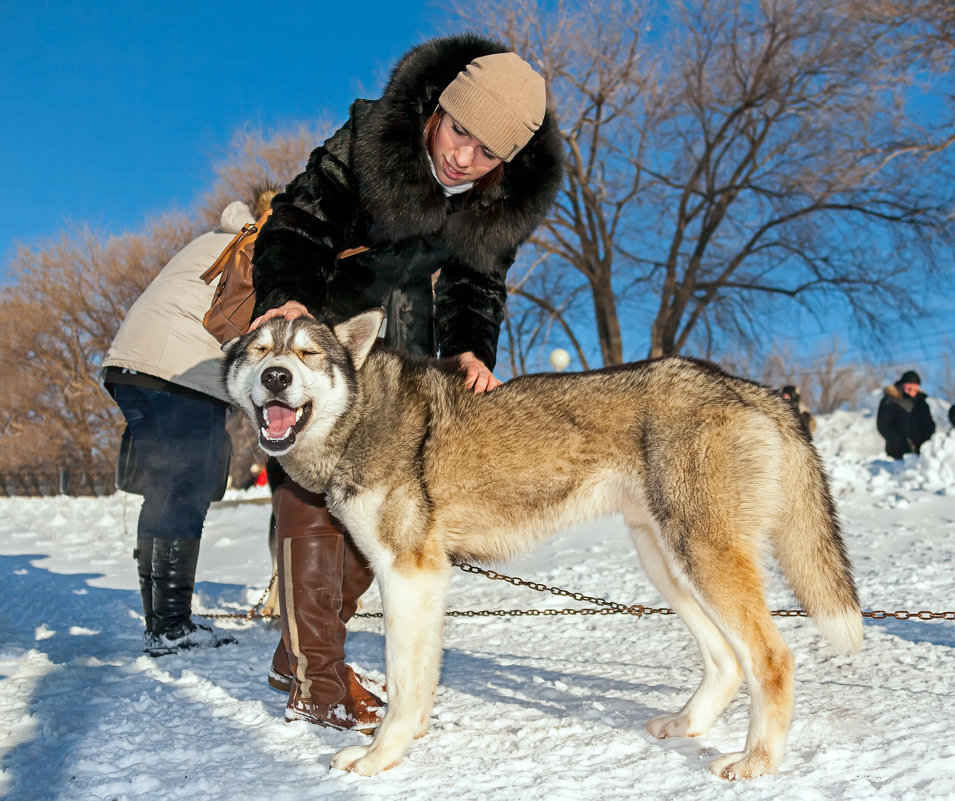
(605, 607)
(251, 614)
(639, 610)
(879, 614)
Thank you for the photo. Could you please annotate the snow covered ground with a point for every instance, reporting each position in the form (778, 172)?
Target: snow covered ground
(529, 707)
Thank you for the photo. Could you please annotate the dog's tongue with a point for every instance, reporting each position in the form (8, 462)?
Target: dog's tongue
(281, 418)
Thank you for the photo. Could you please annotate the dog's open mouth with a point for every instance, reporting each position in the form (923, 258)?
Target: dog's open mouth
(278, 425)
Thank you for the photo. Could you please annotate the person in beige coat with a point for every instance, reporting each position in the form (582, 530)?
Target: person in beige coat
(163, 371)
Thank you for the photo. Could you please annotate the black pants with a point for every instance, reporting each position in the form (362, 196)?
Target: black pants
(181, 442)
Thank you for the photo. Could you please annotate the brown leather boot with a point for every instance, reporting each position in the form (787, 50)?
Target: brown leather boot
(311, 562)
(357, 577)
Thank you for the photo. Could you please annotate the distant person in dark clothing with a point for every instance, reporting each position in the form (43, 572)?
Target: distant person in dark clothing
(951, 414)
(790, 393)
(904, 419)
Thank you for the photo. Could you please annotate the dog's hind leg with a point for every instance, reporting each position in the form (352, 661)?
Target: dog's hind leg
(728, 581)
(413, 598)
(768, 666)
(721, 672)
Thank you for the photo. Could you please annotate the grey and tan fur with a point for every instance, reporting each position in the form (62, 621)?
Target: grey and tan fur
(709, 472)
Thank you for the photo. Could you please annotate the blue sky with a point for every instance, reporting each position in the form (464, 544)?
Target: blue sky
(113, 111)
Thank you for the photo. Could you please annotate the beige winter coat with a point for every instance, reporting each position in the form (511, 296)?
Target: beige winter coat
(162, 333)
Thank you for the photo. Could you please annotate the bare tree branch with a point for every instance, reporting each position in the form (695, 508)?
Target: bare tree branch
(721, 151)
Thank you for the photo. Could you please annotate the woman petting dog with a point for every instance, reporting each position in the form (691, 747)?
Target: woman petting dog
(417, 204)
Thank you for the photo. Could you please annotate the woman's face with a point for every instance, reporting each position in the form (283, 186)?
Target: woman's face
(458, 157)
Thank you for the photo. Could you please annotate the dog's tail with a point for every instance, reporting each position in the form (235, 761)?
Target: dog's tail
(810, 548)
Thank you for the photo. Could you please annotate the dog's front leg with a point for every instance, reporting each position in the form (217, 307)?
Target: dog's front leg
(413, 599)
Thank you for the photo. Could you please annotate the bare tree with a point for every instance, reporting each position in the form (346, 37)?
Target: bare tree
(66, 301)
(255, 159)
(532, 318)
(596, 78)
(57, 321)
(825, 379)
(728, 156)
(929, 25)
(840, 386)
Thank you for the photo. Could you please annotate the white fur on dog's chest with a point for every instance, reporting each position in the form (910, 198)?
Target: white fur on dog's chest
(361, 515)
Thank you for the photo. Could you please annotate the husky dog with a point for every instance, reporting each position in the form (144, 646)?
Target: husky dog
(706, 469)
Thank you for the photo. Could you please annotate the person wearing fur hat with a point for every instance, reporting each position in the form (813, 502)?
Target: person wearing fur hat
(163, 370)
(417, 204)
(790, 393)
(904, 419)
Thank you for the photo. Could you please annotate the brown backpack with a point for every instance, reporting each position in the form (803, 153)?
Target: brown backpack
(230, 313)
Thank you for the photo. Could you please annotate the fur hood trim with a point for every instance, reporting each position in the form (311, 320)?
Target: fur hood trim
(895, 391)
(397, 189)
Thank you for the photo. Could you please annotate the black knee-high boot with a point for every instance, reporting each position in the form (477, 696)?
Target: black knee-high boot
(173, 578)
(143, 554)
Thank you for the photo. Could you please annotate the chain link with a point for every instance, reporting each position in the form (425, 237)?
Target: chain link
(878, 614)
(605, 607)
(252, 614)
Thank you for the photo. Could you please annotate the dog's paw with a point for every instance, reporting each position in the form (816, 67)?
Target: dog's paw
(674, 725)
(364, 760)
(743, 765)
(347, 757)
(424, 724)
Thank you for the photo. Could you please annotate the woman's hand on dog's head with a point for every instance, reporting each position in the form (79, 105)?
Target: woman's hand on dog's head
(290, 310)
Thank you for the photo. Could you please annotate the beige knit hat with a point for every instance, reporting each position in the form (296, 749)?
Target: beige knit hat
(499, 100)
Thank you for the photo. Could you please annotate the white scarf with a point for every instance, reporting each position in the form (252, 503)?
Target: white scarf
(448, 190)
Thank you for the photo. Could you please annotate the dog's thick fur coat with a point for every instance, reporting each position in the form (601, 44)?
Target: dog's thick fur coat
(708, 471)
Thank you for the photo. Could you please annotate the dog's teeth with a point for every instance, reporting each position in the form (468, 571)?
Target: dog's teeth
(264, 432)
(298, 414)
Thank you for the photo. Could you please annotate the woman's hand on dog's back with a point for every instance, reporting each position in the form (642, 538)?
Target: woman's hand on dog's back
(476, 374)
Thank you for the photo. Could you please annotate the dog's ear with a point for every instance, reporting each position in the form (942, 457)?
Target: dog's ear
(227, 345)
(359, 334)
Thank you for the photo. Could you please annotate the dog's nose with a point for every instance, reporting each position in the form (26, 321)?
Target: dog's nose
(275, 379)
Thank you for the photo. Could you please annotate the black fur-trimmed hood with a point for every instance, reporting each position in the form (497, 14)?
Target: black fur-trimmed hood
(396, 188)
(894, 391)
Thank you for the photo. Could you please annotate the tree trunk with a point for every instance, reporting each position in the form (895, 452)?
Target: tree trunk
(663, 336)
(608, 324)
